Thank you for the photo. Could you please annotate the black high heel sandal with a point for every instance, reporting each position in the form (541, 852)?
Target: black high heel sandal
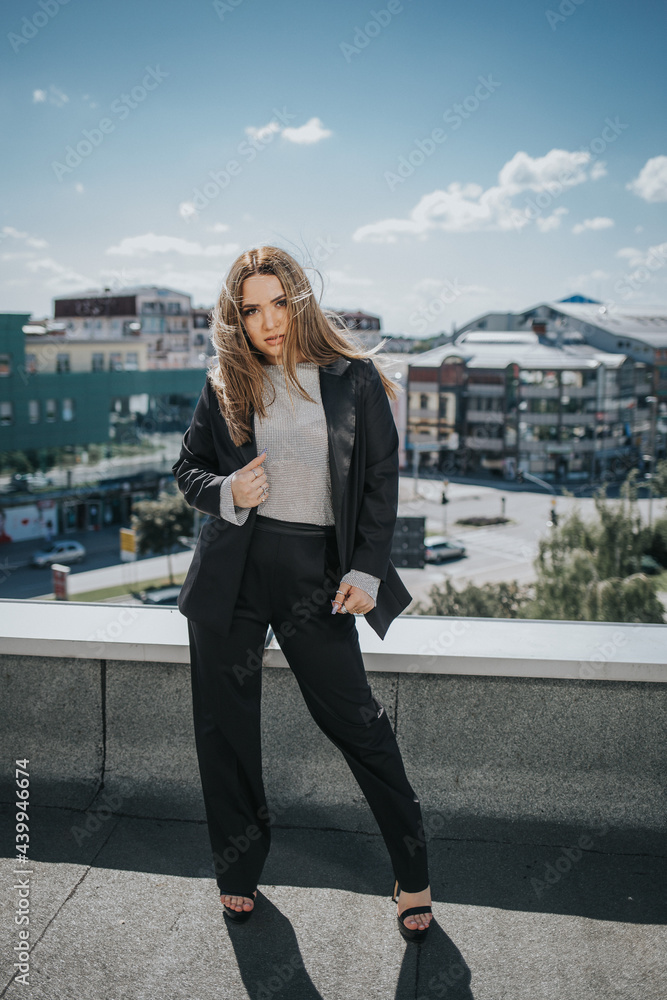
(410, 933)
(238, 916)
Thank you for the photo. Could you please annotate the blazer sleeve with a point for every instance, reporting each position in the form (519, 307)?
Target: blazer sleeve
(376, 520)
(197, 470)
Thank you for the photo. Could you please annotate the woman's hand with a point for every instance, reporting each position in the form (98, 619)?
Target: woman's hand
(250, 488)
(356, 600)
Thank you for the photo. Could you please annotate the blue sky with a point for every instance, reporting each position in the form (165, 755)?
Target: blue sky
(431, 160)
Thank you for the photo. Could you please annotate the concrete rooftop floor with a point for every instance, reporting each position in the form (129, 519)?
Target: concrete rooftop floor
(131, 911)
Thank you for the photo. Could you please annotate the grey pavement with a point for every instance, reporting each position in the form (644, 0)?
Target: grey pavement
(128, 909)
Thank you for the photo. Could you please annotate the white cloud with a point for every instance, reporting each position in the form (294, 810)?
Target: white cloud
(630, 253)
(599, 222)
(53, 95)
(549, 222)
(313, 131)
(151, 243)
(218, 227)
(30, 241)
(187, 210)
(204, 284)
(264, 133)
(527, 173)
(643, 258)
(598, 170)
(584, 280)
(79, 188)
(651, 183)
(468, 207)
(63, 278)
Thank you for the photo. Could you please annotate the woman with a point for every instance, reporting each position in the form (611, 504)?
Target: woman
(316, 554)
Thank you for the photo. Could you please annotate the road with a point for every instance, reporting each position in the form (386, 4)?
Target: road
(494, 553)
(497, 552)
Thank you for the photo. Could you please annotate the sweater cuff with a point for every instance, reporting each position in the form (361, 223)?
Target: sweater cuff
(371, 584)
(228, 509)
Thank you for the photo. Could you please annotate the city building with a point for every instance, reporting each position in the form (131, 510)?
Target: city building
(53, 392)
(640, 332)
(160, 317)
(48, 349)
(504, 402)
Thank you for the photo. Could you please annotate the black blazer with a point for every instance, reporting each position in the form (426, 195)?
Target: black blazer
(363, 465)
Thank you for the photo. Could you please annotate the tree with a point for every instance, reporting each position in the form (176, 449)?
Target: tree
(586, 571)
(160, 523)
(660, 479)
(491, 600)
(590, 570)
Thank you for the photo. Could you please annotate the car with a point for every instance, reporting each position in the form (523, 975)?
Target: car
(31, 480)
(438, 549)
(160, 596)
(59, 552)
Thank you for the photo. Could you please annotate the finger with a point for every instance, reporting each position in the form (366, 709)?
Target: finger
(340, 595)
(255, 462)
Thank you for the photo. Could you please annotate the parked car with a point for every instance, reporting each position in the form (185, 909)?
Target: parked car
(159, 595)
(30, 481)
(59, 552)
(438, 549)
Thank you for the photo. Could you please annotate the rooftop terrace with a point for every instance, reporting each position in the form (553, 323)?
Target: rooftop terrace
(538, 752)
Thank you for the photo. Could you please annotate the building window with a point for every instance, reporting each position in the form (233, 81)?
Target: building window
(6, 413)
(68, 409)
(115, 362)
(33, 411)
(31, 363)
(131, 361)
(62, 363)
(5, 364)
(98, 362)
(50, 411)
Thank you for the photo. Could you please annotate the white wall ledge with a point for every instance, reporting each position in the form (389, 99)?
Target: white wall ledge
(421, 644)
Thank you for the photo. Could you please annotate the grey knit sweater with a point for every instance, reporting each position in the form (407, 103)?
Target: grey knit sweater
(297, 461)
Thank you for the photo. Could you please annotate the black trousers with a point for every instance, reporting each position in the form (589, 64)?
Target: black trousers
(291, 574)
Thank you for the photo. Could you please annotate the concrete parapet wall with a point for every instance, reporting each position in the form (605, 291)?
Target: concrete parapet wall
(487, 755)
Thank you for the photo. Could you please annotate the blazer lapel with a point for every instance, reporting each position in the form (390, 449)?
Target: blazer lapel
(337, 390)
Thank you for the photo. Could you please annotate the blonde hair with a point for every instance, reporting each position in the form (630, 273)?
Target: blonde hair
(320, 336)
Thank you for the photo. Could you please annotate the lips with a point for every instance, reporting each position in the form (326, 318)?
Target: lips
(275, 340)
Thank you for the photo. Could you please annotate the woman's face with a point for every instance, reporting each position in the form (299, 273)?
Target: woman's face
(264, 312)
